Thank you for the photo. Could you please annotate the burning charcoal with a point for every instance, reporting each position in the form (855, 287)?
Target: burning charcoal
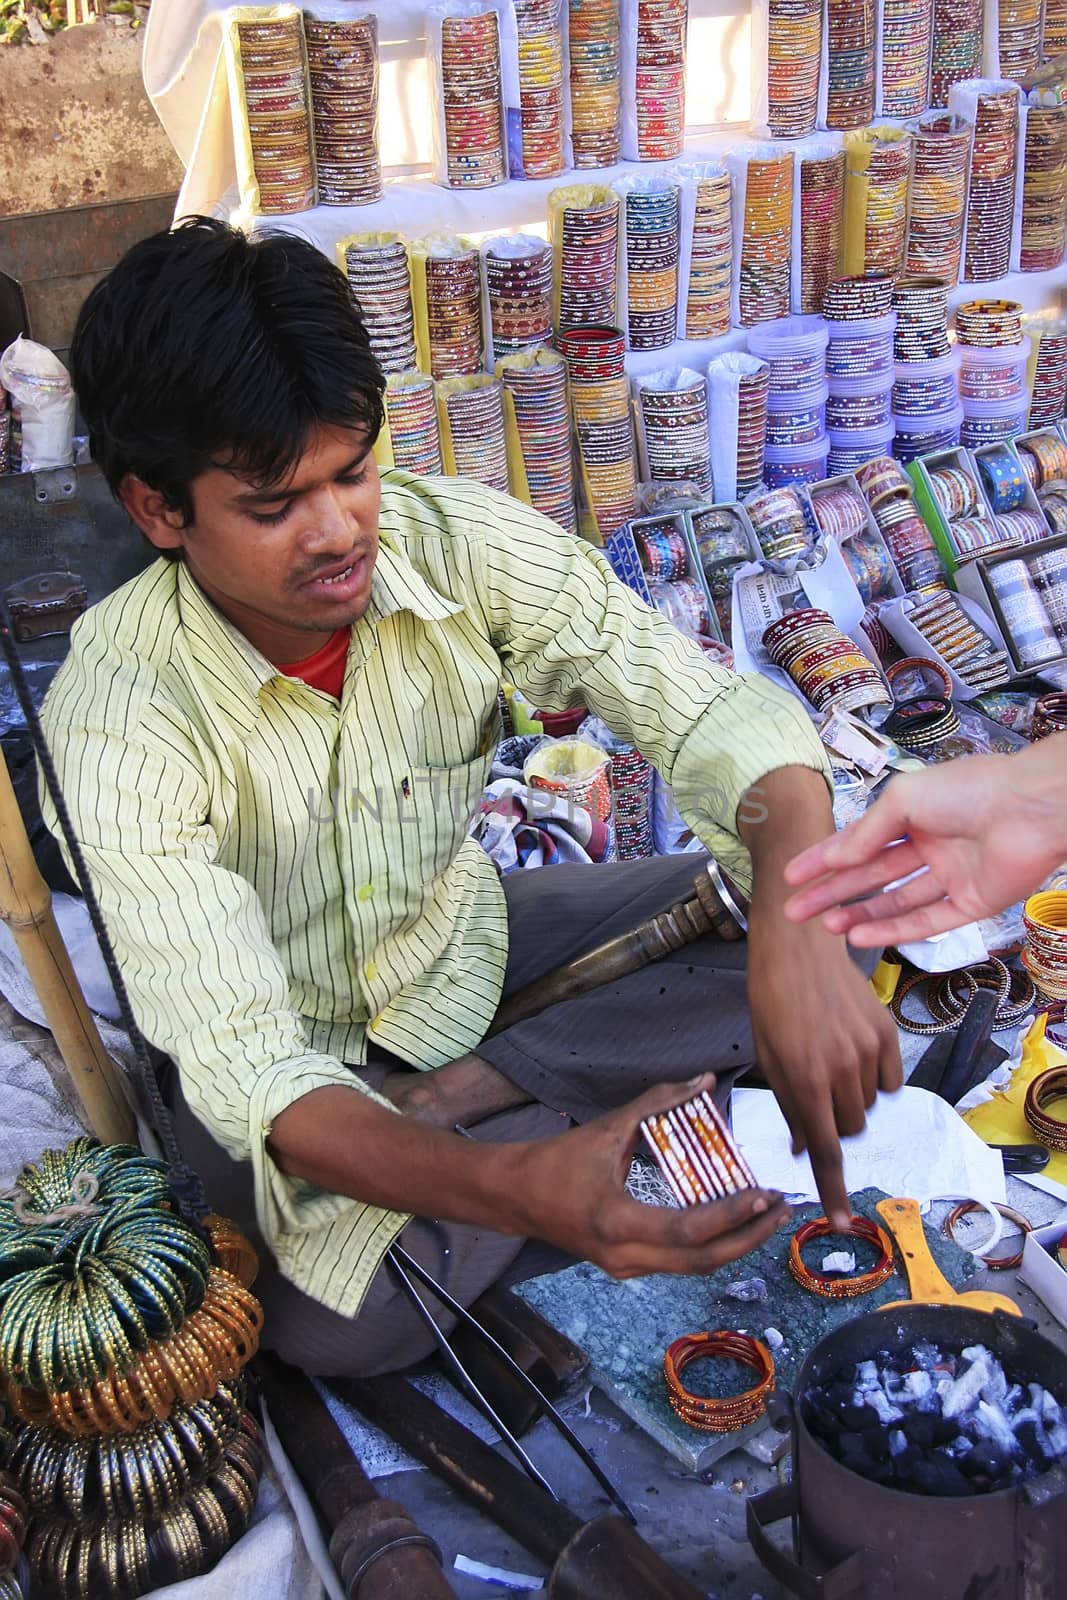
(986, 1461)
(916, 1387)
(920, 1428)
(938, 1476)
(898, 1442)
(993, 1426)
(1028, 1436)
(1057, 1441)
(1046, 1407)
(868, 1376)
(962, 1395)
(887, 1411)
(859, 1417)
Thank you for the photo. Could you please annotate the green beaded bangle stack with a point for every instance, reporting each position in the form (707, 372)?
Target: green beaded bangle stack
(94, 1266)
(123, 1333)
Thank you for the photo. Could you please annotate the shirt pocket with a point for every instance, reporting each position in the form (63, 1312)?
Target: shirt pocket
(444, 800)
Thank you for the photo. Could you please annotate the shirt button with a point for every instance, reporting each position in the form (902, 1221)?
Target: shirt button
(370, 971)
(366, 893)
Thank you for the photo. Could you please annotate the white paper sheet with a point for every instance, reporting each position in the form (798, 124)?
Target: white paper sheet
(914, 1144)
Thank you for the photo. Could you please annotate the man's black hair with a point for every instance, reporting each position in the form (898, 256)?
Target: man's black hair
(203, 348)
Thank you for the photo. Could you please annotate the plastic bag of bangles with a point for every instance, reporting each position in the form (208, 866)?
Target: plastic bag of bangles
(536, 78)
(265, 57)
(652, 41)
(786, 52)
(467, 42)
(705, 256)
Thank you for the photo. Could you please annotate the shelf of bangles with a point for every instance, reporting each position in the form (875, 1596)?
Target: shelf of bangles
(124, 1332)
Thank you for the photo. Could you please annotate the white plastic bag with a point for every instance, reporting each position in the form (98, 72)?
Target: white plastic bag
(41, 394)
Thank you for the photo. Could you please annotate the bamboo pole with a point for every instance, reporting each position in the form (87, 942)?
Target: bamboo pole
(26, 908)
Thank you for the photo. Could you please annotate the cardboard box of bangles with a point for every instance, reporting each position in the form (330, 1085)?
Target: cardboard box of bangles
(1042, 1268)
(939, 524)
(980, 581)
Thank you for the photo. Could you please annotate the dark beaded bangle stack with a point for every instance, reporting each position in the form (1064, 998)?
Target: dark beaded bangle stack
(1043, 1090)
(922, 723)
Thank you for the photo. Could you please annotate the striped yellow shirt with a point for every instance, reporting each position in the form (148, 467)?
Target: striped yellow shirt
(286, 876)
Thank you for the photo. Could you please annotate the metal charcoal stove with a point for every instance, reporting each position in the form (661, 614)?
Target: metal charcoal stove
(855, 1539)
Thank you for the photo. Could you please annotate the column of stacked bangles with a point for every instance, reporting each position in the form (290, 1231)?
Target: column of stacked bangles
(124, 1333)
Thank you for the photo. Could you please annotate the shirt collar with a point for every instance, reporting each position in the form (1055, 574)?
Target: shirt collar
(235, 669)
(397, 585)
(238, 672)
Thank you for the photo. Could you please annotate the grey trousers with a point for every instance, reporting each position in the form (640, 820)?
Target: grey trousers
(681, 1016)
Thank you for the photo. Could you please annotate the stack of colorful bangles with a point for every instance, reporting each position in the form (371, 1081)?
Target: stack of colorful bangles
(1042, 1092)
(124, 1331)
(707, 1413)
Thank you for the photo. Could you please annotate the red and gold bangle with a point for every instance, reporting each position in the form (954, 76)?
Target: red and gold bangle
(1051, 1085)
(706, 1413)
(994, 1263)
(833, 1288)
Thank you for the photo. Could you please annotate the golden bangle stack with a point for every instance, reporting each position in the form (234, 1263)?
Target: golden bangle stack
(117, 1560)
(124, 1331)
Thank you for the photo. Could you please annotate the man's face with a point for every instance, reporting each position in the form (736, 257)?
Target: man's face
(289, 563)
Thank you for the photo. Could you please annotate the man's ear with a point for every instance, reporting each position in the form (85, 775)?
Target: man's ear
(161, 524)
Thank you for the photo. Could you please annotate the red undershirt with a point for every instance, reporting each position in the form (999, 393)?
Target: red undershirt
(325, 669)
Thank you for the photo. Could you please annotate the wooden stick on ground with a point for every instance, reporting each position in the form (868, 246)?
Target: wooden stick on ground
(26, 908)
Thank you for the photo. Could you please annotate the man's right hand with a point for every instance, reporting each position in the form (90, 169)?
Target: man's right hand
(569, 1189)
(573, 1189)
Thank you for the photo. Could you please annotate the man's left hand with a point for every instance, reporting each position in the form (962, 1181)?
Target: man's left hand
(823, 1041)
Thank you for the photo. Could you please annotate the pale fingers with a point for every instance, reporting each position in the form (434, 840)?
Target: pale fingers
(848, 883)
(907, 928)
(860, 842)
(922, 890)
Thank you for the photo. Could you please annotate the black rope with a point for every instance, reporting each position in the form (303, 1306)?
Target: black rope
(188, 1189)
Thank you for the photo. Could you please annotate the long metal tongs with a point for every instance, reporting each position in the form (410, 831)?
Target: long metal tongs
(402, 1265)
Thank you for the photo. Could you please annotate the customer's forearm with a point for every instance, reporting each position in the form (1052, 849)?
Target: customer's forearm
(344, 1142)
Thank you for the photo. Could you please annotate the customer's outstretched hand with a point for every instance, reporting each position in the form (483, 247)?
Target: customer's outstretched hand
(971, 837)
